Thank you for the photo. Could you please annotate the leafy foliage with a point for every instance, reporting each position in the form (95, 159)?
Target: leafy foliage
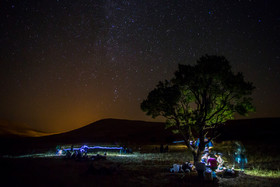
(200, 98)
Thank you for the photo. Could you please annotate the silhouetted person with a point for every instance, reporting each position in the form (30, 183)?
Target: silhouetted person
(72, 148)
(161, 148)
(79, 155)
(240, 157)
(74, 155)
(196, 143)
(99, 157)
(242, 161)
(187, 167)
(200, 168)
(58, 148)
(85, 156)
(192, 143)
(166, 149)
(68, 154)
(206, 150)
(156, 149)
(124, 149)
(140, 149)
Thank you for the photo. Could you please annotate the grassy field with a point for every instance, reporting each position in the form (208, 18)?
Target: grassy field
(145, 167)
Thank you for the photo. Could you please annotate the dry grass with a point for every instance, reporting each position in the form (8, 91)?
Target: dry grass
(262, 168)
(144, 168)
(263, 173)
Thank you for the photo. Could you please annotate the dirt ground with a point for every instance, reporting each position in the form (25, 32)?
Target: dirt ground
(140, 169)
(110, 172)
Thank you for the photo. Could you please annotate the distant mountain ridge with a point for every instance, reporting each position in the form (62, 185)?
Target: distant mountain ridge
(115, 131)
(142, 132)
(8, 128)
(257, 129)
(129, 132)
(121, 130)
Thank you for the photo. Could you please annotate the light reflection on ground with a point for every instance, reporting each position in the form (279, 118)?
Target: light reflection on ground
(38, 155)
(54, 155)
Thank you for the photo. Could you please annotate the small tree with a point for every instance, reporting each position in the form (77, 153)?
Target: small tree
(199, 99)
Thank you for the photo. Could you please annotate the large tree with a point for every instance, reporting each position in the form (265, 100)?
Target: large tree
(199, 99)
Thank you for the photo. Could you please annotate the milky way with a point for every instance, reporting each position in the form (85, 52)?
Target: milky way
(65, 64)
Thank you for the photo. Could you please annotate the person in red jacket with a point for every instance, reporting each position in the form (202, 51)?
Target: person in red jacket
(212, 162)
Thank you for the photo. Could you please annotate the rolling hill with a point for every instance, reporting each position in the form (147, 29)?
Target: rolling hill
(258, 129)
(116, 130)
(12, 129)
(119, 132)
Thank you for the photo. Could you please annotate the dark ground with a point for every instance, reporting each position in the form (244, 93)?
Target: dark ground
(145, 169)
(59, 172)
(138, 169)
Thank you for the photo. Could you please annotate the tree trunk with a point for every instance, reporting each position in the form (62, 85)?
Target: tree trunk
(196, 157)
(198, 153)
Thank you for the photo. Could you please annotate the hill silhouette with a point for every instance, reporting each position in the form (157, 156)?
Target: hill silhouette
(117, 131)
(13, 129)
(258, 129)
(129, 132)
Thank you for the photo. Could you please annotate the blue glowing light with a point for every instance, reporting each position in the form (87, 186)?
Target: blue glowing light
(84, 148)
(181, 141)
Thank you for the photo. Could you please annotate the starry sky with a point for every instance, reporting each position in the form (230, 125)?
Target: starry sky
(67, 63)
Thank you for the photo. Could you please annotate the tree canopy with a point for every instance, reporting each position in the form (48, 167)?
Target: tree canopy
(200, 98)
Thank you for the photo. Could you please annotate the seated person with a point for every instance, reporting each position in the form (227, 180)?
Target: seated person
(187, 167)
(176, 168)
(212, 162)
(205, 157)
(219, 160)
(85, 156)
(98, 157)
(200, 168)
(79, 155)
(68, 154)
(74, 155)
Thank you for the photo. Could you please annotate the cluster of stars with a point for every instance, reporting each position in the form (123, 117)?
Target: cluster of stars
(103, 57)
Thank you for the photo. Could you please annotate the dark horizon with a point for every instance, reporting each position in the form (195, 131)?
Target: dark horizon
(21, 131)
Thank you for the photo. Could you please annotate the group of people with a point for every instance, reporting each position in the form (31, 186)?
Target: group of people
(185, 167)
(82, 155)
(210, 162)
(161, 149)
(76, 155)
(126, 150)
(213, 160)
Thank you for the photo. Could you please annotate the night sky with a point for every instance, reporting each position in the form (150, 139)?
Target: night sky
(67, 63)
